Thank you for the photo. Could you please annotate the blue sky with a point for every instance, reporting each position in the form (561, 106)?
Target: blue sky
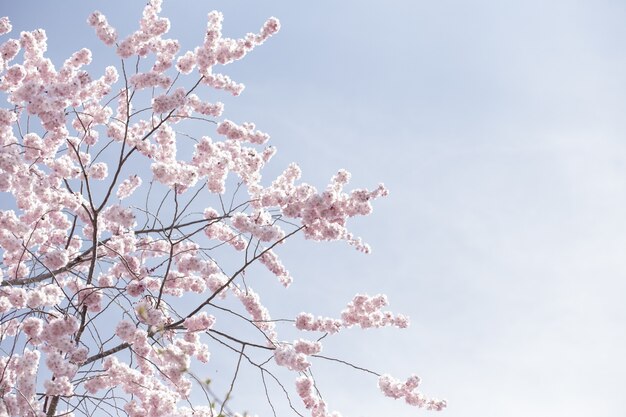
(499, 128)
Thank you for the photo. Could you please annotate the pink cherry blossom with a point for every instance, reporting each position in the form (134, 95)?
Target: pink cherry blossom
(285, 355)
(128, 186)
(105, 32)
(393, 388)
(199, 322)
(5, 25)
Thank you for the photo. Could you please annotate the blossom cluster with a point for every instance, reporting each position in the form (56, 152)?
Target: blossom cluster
(394, 388)
(200, 322)
(19, 374)
(312, 401)
(128, 186)
(363, 311)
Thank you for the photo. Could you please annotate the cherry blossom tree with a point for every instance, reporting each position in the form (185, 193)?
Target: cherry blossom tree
(112, 282)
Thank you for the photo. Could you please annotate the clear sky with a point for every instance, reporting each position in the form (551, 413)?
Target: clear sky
(499, 128)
